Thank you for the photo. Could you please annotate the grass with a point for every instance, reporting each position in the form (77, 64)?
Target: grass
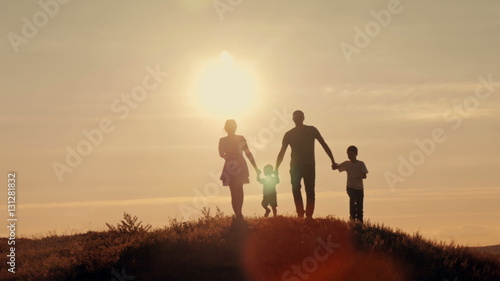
(215, 247)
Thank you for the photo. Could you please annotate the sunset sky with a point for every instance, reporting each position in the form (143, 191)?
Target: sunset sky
(118, 106)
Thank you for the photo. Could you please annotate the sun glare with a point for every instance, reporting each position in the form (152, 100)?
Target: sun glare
(225, 88)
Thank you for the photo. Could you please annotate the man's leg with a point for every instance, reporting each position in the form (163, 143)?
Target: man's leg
(309, 175)
(296, 176)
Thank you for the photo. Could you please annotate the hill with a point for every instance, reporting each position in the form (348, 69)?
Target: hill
(493, 250)
(220, 248)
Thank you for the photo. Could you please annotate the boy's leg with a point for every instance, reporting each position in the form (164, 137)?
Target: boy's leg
(267, 212)
(273, 202)
(264, 205)
(359, 204)
(352, 203)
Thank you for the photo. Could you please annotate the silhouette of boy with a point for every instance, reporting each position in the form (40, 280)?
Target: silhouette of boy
(269, 189)
(356, 172)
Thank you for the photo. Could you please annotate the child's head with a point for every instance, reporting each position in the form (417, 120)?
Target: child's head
(268, 170)
(352, 152)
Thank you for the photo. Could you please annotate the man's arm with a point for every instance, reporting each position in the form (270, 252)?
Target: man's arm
(281, 154)
(327, 150)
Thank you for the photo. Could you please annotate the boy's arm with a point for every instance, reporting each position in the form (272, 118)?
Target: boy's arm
(341, 167)
(259, 180)
(364, 171)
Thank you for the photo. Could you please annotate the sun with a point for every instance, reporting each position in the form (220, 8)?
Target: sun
(225, 87)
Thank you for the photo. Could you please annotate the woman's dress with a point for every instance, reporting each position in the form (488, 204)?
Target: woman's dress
(235, 169)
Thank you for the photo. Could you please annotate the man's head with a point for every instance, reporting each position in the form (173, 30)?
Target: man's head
(352, 152)
(298, 117)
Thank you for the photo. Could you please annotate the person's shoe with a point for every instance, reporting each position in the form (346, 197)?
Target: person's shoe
(301, 214)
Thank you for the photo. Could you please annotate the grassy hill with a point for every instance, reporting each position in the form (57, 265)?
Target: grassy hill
(219, 248)
(494, 250)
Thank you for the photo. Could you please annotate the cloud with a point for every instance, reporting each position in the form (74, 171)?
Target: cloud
(424, 102)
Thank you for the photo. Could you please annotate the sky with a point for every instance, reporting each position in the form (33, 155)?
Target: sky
(118, 106)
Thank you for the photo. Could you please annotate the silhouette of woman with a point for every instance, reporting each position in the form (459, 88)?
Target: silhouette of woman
(235, 170)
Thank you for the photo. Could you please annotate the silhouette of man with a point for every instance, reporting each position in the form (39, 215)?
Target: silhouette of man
(302, 165)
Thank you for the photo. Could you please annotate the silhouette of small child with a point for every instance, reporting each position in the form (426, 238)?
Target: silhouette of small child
(356, 172)
(269, 183)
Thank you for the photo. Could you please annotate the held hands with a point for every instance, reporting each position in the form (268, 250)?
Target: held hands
(276, 176)
(335, 166)
(258, 171)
